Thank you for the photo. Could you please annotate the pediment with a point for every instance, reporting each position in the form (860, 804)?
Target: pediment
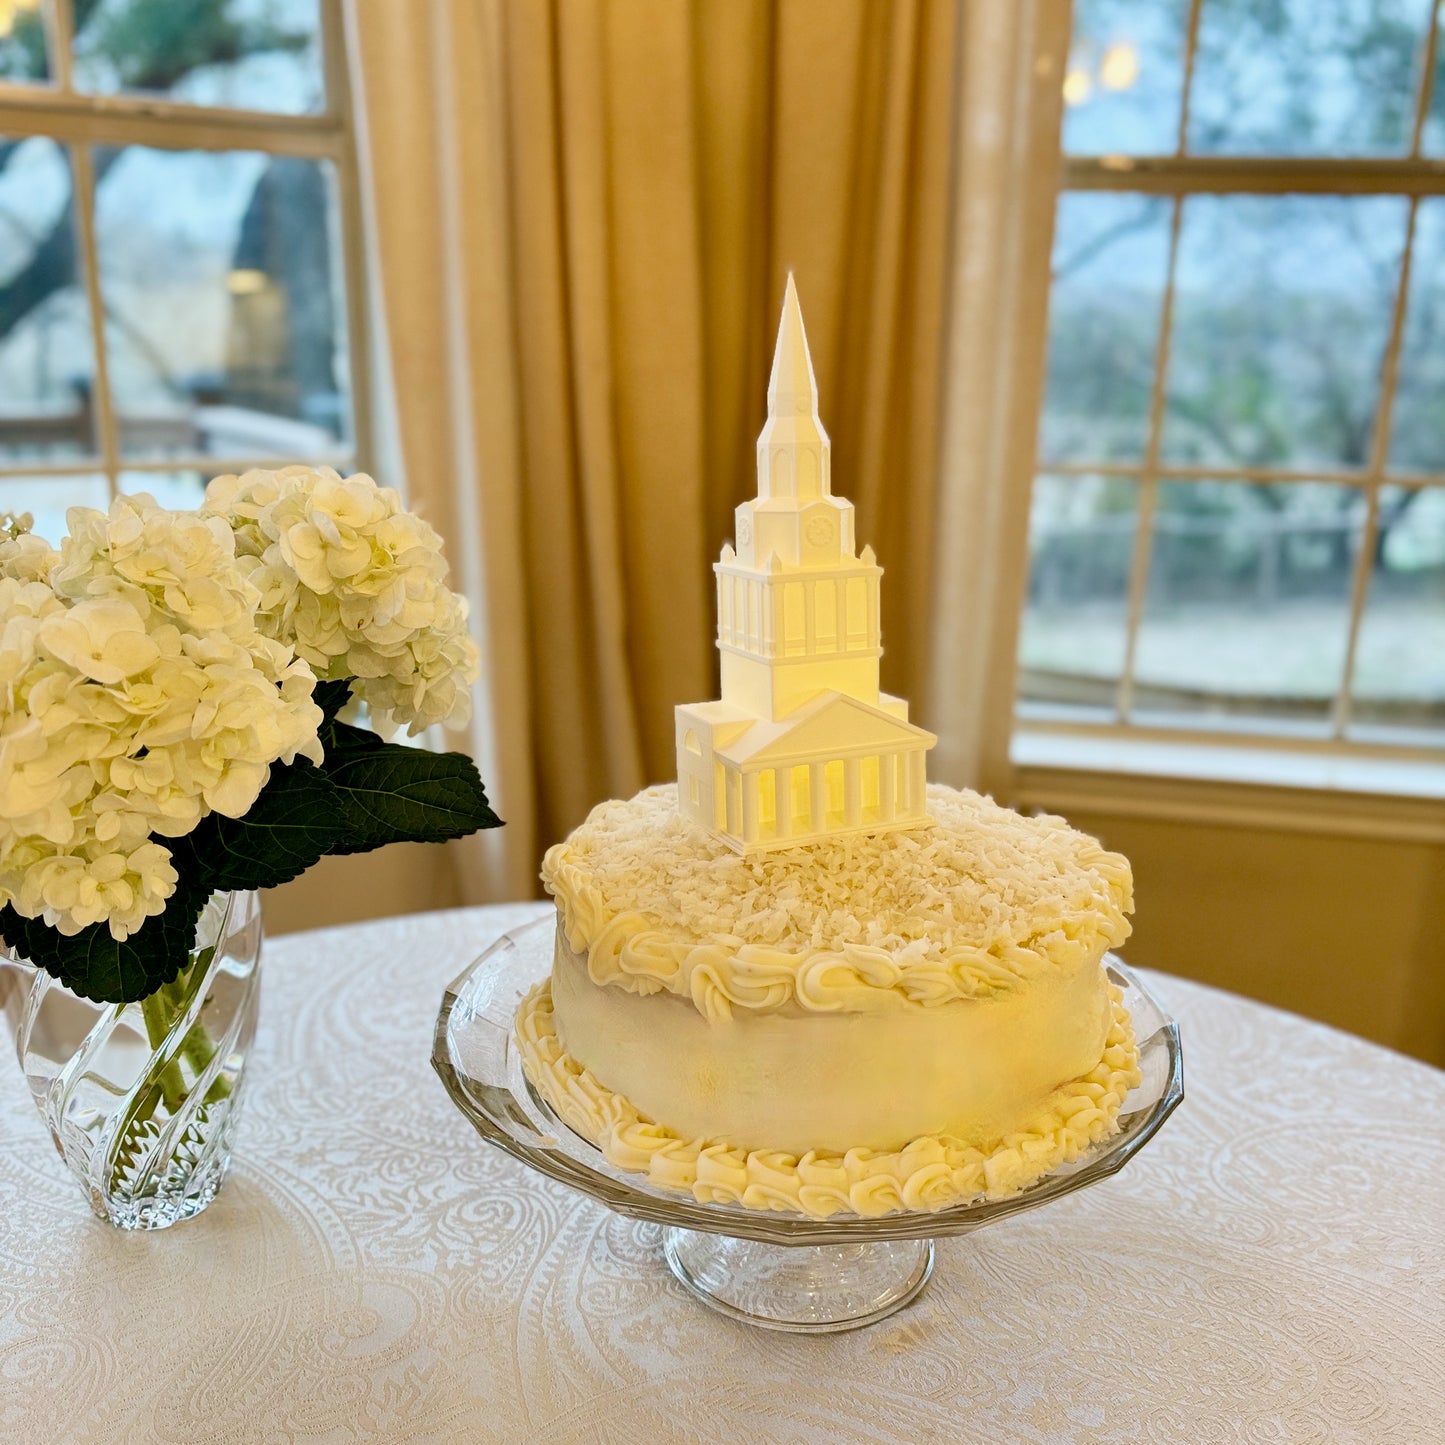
(833, 725)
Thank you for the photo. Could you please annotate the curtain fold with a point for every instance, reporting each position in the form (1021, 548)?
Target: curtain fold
(1006, 158)
(584, 215)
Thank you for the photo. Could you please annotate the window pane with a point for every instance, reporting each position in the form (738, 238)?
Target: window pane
(1417, 436)
(1294, 77)
(180, 491)
(246, 54)
(47, 498)
(47, 354)
(1433, 140)
(1125, 77)
(1399, 679)
(1081, 542)
(24, 54)
(1247, 608)
(1281, 316)
(1110, 257)
(225, 328)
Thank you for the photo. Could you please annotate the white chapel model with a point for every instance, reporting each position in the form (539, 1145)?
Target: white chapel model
(803, 745)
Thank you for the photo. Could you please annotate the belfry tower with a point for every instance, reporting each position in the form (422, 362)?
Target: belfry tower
(802, 745)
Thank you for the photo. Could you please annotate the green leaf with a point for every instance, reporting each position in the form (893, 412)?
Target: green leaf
(331, 697)
(93, 964)
(367, 793)
(295, 821)
(389, 794)
(336, 736)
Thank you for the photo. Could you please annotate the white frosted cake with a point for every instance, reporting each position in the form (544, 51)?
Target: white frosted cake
(803, 979)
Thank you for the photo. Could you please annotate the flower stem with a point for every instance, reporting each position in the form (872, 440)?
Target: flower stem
(159, 1012)
(166, 1084)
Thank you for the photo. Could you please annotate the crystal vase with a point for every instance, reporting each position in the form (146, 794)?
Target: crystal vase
(141, 1098)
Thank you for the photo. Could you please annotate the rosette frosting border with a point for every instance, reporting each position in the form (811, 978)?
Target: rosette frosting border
(630, 949)
(930, 1173)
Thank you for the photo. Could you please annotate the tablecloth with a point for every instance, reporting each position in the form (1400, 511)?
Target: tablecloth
(1271, 1267)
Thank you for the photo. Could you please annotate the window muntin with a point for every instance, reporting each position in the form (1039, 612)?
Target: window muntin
(1266, 395)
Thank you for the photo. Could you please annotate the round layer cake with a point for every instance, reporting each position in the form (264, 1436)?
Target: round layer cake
(904, 1020)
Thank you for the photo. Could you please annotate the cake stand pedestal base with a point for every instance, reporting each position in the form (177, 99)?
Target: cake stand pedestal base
(807, 1289)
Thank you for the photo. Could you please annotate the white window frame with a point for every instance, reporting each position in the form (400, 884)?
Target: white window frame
(1335, 785)
(77, 120)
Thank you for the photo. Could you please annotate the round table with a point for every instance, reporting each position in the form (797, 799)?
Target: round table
(1272, 1267)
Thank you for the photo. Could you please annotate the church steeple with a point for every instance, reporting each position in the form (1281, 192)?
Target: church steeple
(792, 387)
(796, 567)
(794, 453)
(802, 743)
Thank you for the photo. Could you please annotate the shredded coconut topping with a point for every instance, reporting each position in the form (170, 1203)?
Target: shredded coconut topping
(974, 903)
(983, 874)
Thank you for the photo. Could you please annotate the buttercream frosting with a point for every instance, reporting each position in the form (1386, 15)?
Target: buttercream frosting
(793, 1079)
(931, 1172)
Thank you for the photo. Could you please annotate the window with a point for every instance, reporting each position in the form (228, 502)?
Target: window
(179, 248)
(1238, 521)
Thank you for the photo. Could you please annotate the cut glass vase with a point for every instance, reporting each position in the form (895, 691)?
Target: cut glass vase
(141, 1098)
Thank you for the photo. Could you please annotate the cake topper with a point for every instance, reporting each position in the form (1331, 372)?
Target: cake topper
(802, 745)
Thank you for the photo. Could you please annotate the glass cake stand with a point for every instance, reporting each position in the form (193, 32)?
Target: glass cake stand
(779, 1271)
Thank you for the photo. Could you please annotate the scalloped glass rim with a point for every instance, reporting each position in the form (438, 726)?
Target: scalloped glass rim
(474, 1052)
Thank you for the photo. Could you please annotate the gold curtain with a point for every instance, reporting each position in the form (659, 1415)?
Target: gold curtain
(584, 213)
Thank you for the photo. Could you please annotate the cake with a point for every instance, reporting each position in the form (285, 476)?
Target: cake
(803, 978)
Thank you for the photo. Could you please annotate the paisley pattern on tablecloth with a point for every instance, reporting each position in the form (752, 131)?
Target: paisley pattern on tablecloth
(1270, 1268)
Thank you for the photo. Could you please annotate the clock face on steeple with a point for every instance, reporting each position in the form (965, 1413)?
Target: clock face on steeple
(821, 530)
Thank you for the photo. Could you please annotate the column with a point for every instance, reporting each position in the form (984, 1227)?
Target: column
(840, 591)
(887, 787)
(818, 789)
(810, 630)
(750, 807)
(852, 792)
(917, 781)
(783, 801)
(734, 824)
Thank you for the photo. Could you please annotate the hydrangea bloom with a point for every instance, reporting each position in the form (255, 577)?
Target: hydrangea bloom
(136, 696)
(23, 555)
(358, 585)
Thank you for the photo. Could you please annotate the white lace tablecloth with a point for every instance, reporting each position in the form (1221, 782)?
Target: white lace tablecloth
(1271, 1268)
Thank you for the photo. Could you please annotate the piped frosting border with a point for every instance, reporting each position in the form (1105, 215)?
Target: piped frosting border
(931, 1173)
(711, 963)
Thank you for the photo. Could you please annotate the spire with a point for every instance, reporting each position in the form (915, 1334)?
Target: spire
(793, 459)
(792, 390)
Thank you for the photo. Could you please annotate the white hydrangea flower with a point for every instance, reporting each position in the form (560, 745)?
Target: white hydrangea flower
(136, 696)
(72, 891)
(22, 553)
(358, 585)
